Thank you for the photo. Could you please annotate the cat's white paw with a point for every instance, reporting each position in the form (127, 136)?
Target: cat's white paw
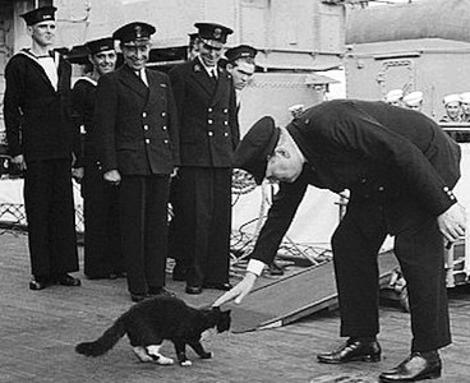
(142, 354)
(164, 360)
(186, 363)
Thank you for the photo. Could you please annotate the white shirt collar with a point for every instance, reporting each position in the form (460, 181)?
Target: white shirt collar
(208, 69)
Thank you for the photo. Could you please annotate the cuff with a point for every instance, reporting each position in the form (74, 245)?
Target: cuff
(256, 267)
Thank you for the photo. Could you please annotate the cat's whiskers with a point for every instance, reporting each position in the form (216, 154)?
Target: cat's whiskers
(208, 334)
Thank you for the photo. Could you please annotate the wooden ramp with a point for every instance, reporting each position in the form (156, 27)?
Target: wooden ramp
(295, 296)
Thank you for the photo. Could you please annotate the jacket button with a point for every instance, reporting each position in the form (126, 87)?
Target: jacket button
(147, 141)
(225, 110)
(144, 114)
(209, 110)
(225, 134)
(363, 180)
(163, 114)
(165, 141)
(381, 188)
(210, 133)
(164, 127)
(146, 127)
(225, 122)
(209, 121)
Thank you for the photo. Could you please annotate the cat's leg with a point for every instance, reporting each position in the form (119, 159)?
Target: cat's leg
(141, 353)
(197, 346)
(153, 351)
(180, 348)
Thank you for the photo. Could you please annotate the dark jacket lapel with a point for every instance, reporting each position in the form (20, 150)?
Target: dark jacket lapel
(130, 80)
(156, 87)
(221, 86)
(199, 74)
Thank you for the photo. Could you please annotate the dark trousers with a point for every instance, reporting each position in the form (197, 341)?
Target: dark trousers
(420, 251)
(103, 253)
(206, 222)
(176, 241)
(144, 230)
(50, 214)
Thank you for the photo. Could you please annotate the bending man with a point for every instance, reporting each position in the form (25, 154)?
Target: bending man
(400, 168)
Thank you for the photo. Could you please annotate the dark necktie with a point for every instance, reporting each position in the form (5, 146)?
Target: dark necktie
(213, 76)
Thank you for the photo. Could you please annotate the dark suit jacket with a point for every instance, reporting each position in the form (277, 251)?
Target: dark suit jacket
(137, 126)
(207, 113)
(37, 117)
(398, 158)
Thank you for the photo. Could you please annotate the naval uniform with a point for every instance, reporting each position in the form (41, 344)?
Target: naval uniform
(137, 130)
(102, 255)
(400, 168)
(208, 136)
(38, 126)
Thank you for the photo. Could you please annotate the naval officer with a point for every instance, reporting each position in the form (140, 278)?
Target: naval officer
(400, 168)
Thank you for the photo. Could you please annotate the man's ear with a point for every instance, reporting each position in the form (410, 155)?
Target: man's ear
(29, 29)
(282, 151)
(229, 67)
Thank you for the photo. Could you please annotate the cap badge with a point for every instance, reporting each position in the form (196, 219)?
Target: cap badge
(138, 31)
(217, 33)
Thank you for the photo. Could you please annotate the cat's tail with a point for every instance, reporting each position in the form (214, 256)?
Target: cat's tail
(105, 342)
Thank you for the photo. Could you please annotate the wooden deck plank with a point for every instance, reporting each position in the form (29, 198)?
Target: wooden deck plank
(38, 332)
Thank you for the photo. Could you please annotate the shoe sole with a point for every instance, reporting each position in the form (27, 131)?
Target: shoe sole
(429, 375)
(363, 358)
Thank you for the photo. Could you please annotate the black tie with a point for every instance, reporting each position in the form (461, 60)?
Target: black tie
(213, 76)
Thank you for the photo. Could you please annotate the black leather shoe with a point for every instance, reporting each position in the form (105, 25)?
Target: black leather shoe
(139, 297)
(37, 283)
(274, 269)
(67, 280)
(161, 291)
(415, 367)
(353, 350)
(193, 290)
(218, 286)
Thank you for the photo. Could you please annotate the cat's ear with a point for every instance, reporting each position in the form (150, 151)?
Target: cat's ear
(215, 308)
(227, 312)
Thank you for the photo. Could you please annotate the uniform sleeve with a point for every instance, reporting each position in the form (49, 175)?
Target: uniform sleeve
(173, 124)
(78, 120)
(14, 94)
(233, 117)
(280, 216)
(106, 108)
(365, 136)
(178, 86)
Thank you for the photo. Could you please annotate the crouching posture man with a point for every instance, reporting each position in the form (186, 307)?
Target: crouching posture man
(400, 168)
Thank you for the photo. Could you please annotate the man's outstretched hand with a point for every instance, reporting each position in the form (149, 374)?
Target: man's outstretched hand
(452, 223)
(238, 292)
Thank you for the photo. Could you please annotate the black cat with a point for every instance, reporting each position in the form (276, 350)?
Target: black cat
(151, 321)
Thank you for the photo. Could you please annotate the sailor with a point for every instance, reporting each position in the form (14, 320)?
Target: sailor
(394, 97)
(465, 104)
(40, 136)
(414, 101)
(453, 108)
(241, 66)
(102, 253)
